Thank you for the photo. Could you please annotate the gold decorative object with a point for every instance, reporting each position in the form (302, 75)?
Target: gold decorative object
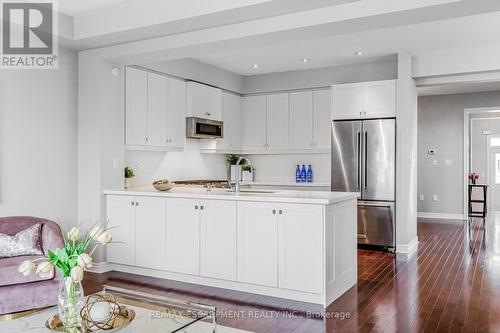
(119, 316)
(163, 185)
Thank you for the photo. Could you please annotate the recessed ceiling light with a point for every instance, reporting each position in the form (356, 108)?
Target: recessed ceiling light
(256, 66)
(359, 53)
(304, 59)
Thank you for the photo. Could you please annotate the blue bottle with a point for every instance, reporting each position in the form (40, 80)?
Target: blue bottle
(309, 174)
(297, 174)
(303, 174)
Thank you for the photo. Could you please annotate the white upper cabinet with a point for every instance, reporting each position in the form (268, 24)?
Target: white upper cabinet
(136, 106)
(204, 101)
(176, 113)
(253, 123)
(231, 116)
(322, 118)
(379, 99)
(155, 110)
(301, 120)
(364, 100)
(277, 121)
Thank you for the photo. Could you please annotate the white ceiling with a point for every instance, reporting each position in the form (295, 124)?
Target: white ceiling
(339, 49)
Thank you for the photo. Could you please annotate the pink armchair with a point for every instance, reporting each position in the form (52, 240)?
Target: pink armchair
(20, 293)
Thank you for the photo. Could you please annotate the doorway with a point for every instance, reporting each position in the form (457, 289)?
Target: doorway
(494, 173)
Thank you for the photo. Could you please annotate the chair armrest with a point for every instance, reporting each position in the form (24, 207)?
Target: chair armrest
(52, 237)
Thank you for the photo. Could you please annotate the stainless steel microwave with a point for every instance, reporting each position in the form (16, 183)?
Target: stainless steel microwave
(200, 128)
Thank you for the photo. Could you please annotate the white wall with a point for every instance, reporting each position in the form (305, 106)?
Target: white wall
(321, 77)
(440, 126)
(38, 141)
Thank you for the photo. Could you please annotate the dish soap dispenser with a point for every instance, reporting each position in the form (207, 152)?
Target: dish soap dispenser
(309, 174)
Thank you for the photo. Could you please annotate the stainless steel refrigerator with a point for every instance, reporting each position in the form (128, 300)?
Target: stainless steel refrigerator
(364, 161)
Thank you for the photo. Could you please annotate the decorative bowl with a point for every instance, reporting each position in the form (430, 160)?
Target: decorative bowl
(163, 185)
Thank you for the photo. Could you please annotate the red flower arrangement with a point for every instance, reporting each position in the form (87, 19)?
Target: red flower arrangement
(473, 177)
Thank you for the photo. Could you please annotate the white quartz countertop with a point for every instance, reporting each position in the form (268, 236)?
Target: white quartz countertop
(285, 183)
(287, 196)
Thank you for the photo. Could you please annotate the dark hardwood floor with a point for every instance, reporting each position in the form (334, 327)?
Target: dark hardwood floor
(452, 284)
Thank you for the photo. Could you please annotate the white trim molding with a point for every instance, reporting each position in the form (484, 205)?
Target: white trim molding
(409, 248)
(99, 267)
(444, 216)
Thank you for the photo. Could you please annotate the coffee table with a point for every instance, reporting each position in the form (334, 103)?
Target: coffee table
(153, 313)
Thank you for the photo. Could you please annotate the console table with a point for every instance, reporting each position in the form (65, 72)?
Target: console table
(483, 201)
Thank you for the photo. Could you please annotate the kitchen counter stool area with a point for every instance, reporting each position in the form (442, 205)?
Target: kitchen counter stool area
(296, 250)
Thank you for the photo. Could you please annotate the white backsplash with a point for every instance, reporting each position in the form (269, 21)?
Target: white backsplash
(192, 164)
(181, 165)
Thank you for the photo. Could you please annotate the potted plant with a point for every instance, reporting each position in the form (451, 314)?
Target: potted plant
(473, 177)
(71, 262)
(129, 174)
(231, 160)
(247, 173)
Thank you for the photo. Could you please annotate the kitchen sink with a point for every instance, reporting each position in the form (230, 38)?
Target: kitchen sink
(252, 191)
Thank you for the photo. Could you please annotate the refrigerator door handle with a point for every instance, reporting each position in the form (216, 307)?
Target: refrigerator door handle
(366, 161)
(358, 161)
(374, 205)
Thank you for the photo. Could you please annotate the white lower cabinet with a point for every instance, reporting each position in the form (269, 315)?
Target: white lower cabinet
(183, 236)
(218, 239)
(258, 243)
(120, 214)
(134, 220)
(150, 225)
(300, 230)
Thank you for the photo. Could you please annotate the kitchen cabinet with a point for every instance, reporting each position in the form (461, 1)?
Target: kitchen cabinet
(218, 239)
(136, 220)
(322, 119)
(254, 123)
(231, 116)
(301, 120)
(277, 121)
(183, 236)
(155, 110)
(136, 106)
(300, 268)
(204, 101)
(375, 99)
(176, 113)
(257, 243)
(150, 220)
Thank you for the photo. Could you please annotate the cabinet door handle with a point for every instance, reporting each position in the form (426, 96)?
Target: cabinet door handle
(196, 207)
(280, 212)
(201, 207)
(136, 203)
(132, 203)
(146, 139)
(274, 211)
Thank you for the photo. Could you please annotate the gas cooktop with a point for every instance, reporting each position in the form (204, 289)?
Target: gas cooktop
(203, 182)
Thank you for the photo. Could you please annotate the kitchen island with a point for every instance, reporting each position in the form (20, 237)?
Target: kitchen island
(298, 245)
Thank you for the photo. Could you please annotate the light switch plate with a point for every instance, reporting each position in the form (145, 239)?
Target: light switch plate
(447, 162)
(434, 161)
(434, 197)
(421, 197)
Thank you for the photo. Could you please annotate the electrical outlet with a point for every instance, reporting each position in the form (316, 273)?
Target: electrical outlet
(421, 197)
(434, 197)
(115, 163)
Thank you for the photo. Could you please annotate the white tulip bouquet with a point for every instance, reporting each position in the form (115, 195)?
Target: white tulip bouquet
(71, 261)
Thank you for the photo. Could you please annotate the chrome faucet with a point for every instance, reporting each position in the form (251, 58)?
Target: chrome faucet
(238, 172)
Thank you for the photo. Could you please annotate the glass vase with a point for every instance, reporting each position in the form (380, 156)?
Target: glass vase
(70, 301)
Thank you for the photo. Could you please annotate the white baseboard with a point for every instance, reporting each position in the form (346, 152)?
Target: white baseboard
(100, 267)
(443, 216)
(409, 248)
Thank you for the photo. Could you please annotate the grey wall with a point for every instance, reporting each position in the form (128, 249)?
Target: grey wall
(38, 141)
(440, 126)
